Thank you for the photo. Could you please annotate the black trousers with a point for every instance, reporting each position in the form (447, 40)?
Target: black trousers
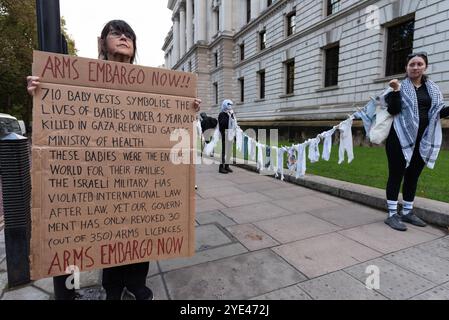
(132, 276)
(226, 149)
(397, 170)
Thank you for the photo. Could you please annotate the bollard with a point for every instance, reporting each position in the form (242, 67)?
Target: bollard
(16, 189)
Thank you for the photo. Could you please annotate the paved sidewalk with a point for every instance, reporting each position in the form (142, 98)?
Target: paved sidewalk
(261, 238)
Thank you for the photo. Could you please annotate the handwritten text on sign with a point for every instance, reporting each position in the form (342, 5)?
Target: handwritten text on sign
(106, 191)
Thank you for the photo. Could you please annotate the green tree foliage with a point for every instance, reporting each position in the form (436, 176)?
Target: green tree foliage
(18, 29)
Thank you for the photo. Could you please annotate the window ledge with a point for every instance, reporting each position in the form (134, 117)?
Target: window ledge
(287, 95)
(259, 100)
(400, 76)
(240, 103)
(327, 89)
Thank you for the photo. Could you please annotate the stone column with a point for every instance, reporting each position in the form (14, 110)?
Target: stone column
(200, 20)
(189, 24)
(255, 8)
(226, 14)
(182, 31)
(176, 55)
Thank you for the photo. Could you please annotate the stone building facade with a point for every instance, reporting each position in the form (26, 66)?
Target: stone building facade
(296, 64)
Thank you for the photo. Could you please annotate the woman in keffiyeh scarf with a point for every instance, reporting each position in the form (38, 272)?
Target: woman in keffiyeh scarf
(415, 137)
(227, 123)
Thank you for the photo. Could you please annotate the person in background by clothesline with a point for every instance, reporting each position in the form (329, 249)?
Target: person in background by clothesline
(415, 137)
(227, 124)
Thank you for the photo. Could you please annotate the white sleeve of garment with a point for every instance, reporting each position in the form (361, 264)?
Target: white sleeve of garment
(281, 162)
(346, 144)
(301, 162)
(253, 150)
(327, 145)
(260, 162)
(314, 151)
(239, 140)
(209, 148)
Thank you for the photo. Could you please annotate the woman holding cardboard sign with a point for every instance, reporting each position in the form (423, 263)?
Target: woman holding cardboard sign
(118, 44)
(415, 137)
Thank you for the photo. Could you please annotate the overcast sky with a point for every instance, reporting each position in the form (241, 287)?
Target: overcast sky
(150, 19)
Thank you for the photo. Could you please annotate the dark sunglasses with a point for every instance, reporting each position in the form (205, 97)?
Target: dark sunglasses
(417, 54)
(118, 34)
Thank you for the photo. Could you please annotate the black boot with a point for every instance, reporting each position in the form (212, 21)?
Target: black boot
(222, 169)
(228, 168)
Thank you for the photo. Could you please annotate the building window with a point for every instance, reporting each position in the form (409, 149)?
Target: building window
(262, 84)
(215, 92)
(217, 15)
(333, 6)
(290, 77)
(242, 89)
(269, 2)
(190, 66)
(216, 59)
(242, 52)
(331, 65)
(262, 39)
(291, 23)
(248, 11)
(400, 44)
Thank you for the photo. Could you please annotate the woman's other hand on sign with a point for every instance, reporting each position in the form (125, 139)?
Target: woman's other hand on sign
(395, 85)
(196, 104)
(32, 84)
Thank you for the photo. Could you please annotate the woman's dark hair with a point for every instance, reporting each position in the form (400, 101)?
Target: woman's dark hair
(120, 26)
(422, 55)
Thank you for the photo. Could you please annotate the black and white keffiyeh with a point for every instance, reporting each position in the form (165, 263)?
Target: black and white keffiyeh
(406, 123)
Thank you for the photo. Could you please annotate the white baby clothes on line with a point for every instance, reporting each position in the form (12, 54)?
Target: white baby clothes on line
(239, 140)
(314, 151)
(209, 148)
(346, 141)
(252, 153)
(327, 144)
(281, 162)
(301, 162)
(260, 150)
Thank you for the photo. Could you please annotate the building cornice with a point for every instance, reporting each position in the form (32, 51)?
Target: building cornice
(168, 39)
(319, 25)
(189, 53)
(253, 24)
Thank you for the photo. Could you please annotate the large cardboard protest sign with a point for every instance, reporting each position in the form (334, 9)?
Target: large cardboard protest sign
(110, 187)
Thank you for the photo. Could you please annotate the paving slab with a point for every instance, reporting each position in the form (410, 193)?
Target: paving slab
(348, 216)
(439, 247)
(260, 186)
(324, 254)
(338, 286)
(25, 293)
(288, 192)
(243, 199)
(203, 256)
(3, 264)
(289, 293)
(156, 284)
(423, 263)
(305, 203)
(381, 237)
(252, 237)
(255, 212)
(209, 236)
(208, 205)
(45, 284)
(218, 192)
(394, 282)
(90, 278)
(214, 217)
(295, 227)
(3, 282)
(235, 278)
(437, 293)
